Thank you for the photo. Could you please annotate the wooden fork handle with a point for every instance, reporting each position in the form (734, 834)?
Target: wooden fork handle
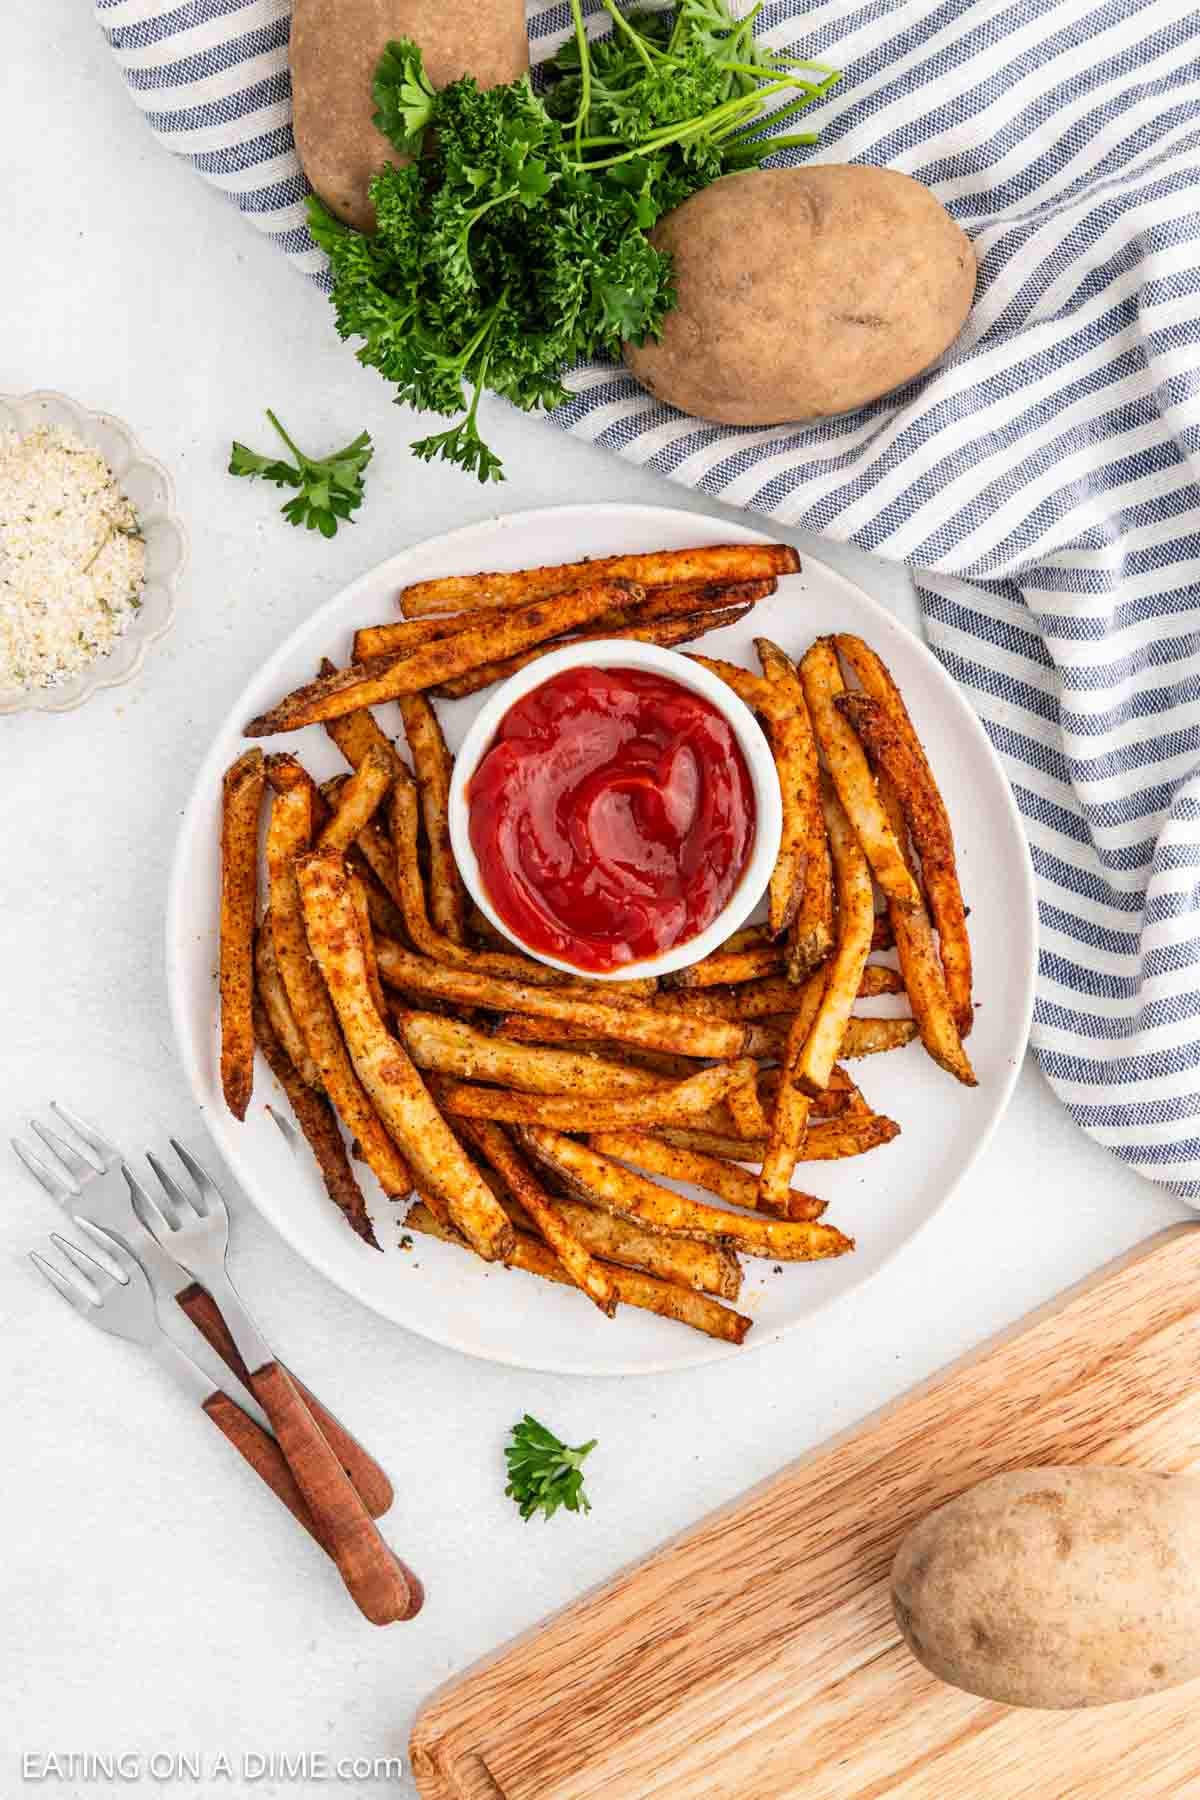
(383, 1589)
(370, 1480)
(259, 1449)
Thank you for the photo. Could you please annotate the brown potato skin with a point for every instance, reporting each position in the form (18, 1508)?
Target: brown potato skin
(804, 293)
(335, 45)
(1057, 1587)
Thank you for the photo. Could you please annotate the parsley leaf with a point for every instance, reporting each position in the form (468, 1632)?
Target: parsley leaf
(511, 244)
(330, 489)
(543, 1474)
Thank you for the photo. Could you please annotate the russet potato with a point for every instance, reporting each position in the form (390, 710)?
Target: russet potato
(335, 45)
(803, 293)
(1057, 1587)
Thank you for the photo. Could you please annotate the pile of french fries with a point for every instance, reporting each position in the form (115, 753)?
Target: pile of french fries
(534, 1116)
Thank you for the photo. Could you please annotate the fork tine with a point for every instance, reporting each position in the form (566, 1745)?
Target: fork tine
(60, 1283)
(91, 1136)
(184, 1205)
(111, 1246)
(206, 1186)
(50, 1179)
(149, 1211)
(79, 1167)
(88, 1267)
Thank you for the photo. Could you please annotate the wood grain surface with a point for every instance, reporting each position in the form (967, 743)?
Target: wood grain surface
(756, 1656)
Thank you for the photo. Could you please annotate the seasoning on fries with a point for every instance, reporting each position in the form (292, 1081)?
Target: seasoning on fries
(241, 797)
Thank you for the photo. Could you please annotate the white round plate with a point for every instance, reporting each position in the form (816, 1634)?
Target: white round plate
(882, 1199)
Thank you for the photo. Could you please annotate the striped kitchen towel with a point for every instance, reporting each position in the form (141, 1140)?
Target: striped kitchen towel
(1043, 483)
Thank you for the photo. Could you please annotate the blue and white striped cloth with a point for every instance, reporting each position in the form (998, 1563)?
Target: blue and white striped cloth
(1043, 483)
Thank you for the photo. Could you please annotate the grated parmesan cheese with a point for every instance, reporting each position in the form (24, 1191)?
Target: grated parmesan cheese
(72, 558)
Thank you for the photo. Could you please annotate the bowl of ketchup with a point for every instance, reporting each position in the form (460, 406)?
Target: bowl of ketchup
(615, 810)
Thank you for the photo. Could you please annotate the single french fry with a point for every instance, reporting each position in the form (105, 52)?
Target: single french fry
(772, 996)
(674, 602)
(856, 916)
(709, 1268)
(404, 817)
(362, 914)
(665, 568)
(921, 968)
(449, 1047)
(851, 773)
(863, 1037)
(551, 1225)
(633, 1288)
(407, 634)
(318, 1122)
(667, 632)
(241, 798)
(753, 690)
(725, 1179)
(634, 1024)
(366, 684)
(892, 750)
(829, 1141)
(404, 1103)
(432, 766)
(598, 1181)
(790, 1114)
(278, 1008)
(546, 1033)
(568, 1112)
(744, 1106)
(385, 915)
(790, 734)
(356, 734)
(288, 837)
(358, 800)
(725, 968)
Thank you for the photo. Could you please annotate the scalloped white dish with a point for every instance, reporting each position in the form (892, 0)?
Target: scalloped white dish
(147, 485)
(882, 1199)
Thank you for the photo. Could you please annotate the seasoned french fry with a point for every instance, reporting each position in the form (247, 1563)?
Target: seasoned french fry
(882, 936)
(568, 1112)
(552, 1226)
(443, 1168)
(771, 997)
(823, 686)
(358, 800)
(922, 970)
(374, 842)
(725, 1179)
(756, 692)
(665, 568)
(726, 968)
(599, 1181)
(828, 1141)
(633, 1288)
(667, 631)
(404, 818)
(674, 602)
(241, 797)
(357, 733)
(709, 1268)
(516, 1028)
(745, 1107)
(366, 684)
(432, 765)
(800, 876)
(863, 1037)
(790, 1113)
(892, 750)
(856, 916)
(385, 915)
(278, 1008)
(288, 837)
(407, 634)
(634, 1024)
(450, 1048)
(318, 1122)
(362, 914)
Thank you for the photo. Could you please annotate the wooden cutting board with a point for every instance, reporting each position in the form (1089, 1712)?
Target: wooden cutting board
(756, 1656)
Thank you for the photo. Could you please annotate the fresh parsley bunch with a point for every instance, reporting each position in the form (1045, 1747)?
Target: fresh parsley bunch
(513, 244)
(543, 1474)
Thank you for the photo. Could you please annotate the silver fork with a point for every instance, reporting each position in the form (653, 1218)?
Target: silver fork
(102, 1191)
(195, 1228)
(124, 1304)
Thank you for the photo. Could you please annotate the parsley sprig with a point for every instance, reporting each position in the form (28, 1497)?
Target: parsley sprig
(513, 244)
(331, 487)
(543, 1474)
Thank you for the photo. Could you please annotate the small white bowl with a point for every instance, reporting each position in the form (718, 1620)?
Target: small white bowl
(146, 484)
(619, 653)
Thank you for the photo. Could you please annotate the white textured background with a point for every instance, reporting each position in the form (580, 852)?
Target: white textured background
(150, 1596)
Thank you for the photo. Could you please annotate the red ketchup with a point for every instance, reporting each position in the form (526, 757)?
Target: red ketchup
(612, 816)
